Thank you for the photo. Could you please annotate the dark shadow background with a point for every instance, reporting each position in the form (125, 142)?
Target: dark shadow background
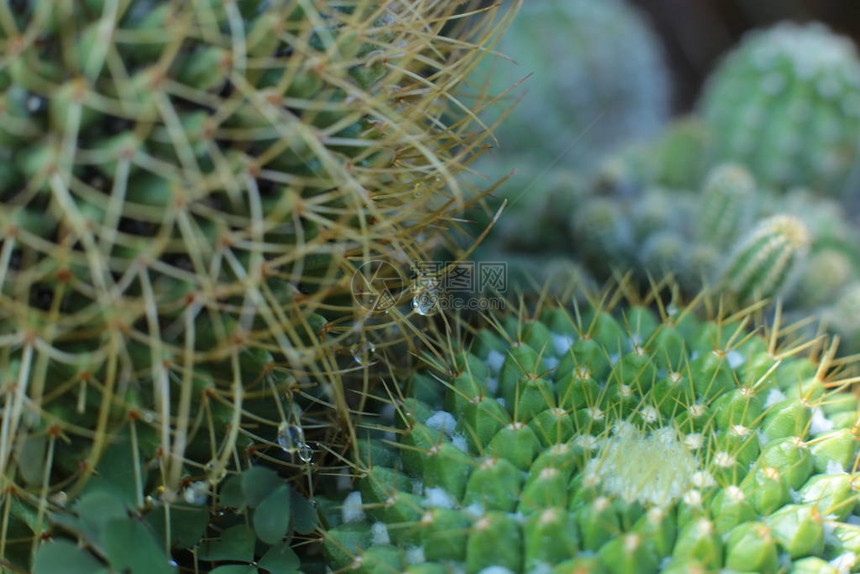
(696, 33)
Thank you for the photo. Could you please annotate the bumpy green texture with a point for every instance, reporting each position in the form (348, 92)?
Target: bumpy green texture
(186, 192)
(611, 442)
(727, 205)
(597, 80)
(786, 103)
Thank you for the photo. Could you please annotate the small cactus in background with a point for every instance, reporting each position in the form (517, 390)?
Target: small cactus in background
(786, 103)
(732, 236)
(535, 204)
(842, 317)
(601, 440)
(597, 80)
(764, 262)
(727, 206)
(679, 158)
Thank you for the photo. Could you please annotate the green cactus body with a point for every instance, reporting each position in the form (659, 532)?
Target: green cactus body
(764, 263)
(617, 443)
(604, 236)
(680, 157)
(727, 206)
(188, 189)
(598, 80)
(825, 274)
(786, 103)
(843, 316)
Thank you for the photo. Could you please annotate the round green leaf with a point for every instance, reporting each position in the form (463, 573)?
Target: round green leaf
(304, 514)
(187, 524)
(64, 556)
(236, 543)
(272, 516)
(234, 569)
(280, 560)
(97, 507)
(130, 545)
(231, 493)
(259, 482)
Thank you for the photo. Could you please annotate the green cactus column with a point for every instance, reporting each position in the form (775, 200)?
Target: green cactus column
(766, 261)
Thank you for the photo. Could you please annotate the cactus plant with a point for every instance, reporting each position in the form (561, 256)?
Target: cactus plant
(610, 440)
(189, 188)
(763, 263)
(702, 238)
(786, 103)
(596, 79)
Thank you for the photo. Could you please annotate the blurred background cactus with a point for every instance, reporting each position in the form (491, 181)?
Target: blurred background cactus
(593, 77)
(786, 103)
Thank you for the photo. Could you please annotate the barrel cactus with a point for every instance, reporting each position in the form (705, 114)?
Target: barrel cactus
(597, 79)
(188, 188)
(786, 103)
(610, 440)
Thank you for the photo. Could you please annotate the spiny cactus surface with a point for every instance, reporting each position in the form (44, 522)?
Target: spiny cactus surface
(188, 189)
(625, 442)
(786, 103)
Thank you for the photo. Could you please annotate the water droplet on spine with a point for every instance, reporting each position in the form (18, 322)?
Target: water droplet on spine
(426, 298)
(363, 352)
(291, 439)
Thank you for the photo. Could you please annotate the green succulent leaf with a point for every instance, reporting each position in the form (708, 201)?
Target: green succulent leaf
(64, 556)
(232, 494)
(272, 516)
(305, 519)
(187, 524)
(259, 482)
(130, 546)
(235, 569)
(99, 507)
(117, 471)
(236, 543)
(280, 559)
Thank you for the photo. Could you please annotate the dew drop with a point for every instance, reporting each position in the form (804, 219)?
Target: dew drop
(426, 298)
(215, 471)
(291, 439)
(363, 352)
